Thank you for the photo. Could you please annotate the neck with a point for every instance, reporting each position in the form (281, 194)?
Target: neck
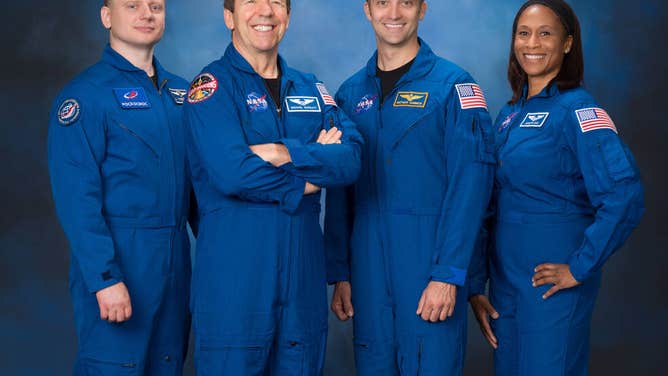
(264, 63)
(393, 57)
(536, 85)
(140, 57)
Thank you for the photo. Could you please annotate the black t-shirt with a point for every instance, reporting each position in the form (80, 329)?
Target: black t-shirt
(388, 79)
(274, 87)
(154, 79)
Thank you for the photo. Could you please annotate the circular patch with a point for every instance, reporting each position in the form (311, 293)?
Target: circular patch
(68, 112)
(202, 88)
(257, 102)
(365, 103)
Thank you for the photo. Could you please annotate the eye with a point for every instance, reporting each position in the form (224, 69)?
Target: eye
(522, 33)
(545, 34)
(157, 8)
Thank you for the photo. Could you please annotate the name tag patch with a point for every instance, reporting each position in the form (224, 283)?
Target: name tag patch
(534, 120)
(131, 98)
(411, 99)
(302, 104)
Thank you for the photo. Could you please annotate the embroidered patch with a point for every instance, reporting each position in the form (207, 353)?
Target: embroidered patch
(202, 88)
(411, 99)
(507, 121)
(302, 104)
(325, 94)
(534, 120)
(471, 96)
(178, 95)
(594, 118)
(68, 112)
(366, 103)
(131, 98)
(257, 102)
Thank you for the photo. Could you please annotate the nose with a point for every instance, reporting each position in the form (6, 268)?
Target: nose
(145, 12)
(265, 8)
(534, 41)
(394, 10)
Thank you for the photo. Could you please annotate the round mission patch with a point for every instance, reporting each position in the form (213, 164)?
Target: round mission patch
(202, 88)
(68, 112)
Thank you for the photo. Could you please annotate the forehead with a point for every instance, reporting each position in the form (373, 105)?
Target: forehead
(539, 14)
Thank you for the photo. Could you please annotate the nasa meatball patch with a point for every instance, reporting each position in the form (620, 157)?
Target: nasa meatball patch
(68, 112)
(202, 88)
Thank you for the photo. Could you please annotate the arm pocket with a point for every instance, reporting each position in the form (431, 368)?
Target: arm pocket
(484, 140)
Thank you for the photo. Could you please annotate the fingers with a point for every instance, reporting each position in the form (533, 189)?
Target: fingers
(337, 308)
(348, 307)
(321, 136)
(420, 306)
(490, 310)
(487, 332)
(551, 291)
(332, 136)
(104, 312)
(434, 314)
(542, 267)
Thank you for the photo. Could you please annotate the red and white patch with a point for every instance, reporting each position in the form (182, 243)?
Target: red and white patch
(324, 94)
(594, 118)
(471, 96)
(202, 88)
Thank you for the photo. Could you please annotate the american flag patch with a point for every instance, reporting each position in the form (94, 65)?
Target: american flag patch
(325, 94)
(594, 118)
(471, 96)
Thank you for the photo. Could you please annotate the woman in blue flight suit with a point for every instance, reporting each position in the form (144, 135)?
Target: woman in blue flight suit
(567, 195)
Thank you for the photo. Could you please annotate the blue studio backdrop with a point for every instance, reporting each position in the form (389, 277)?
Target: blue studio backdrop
(48, 42)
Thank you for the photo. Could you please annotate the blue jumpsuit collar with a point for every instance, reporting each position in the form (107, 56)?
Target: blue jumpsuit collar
(240, 63)
(423, 64)
(117, 61)
(548, 91)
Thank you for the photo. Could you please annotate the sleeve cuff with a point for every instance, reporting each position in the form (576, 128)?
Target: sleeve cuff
(293, 197)
(448, 274)
(298, 153)
(99, 281)
(338, 275)
(579, 272)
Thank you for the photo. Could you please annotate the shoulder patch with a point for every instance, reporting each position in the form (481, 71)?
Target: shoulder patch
(594, 118)
(471, 96)
(68, 112)
(202, 88)
(534, 120)
(178, 95)
(411, 99)
(326, 97)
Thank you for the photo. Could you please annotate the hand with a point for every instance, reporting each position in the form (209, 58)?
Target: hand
(342, 304)
(558, 275)
(483, 310)
(276, 154)
(332, 136)
(437, 302)
(310, 189)
(114, 302)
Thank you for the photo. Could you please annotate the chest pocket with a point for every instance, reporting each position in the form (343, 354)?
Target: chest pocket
(305, 126)
(260, 127)
(413, 119)
(134, 134)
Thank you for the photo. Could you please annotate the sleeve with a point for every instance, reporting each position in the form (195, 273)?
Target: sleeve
(469, 167)
(478, 274)
(76, 148)
(339, 215)
(217, 143)
(612, 182)
(327, 165)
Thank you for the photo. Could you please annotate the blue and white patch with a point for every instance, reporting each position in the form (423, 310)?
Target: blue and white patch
(302, 104)
(68, 112)
(131, 98)
(178, 95)
(366, 103)
(534, 120)
(506, 122)
(257, 102)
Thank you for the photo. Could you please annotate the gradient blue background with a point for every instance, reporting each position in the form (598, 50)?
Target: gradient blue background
(46, 43)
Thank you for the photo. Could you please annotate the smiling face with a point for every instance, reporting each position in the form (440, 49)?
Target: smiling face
(395, 22)
(540, 44)
(257, 25)
(134, 23)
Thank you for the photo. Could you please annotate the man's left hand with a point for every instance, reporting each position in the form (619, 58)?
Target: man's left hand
(437, 302)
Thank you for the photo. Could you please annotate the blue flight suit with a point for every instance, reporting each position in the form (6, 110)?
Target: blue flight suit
(120, 184)
(259, 288)
(414, 214)
(567, 191)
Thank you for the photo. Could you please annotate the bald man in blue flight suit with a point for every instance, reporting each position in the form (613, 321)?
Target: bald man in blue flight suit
(120, 185)
(400, 240)
(263, 139)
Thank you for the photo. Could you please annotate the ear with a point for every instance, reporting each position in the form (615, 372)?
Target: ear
(423, 10)
(229, 19)
(569, 44)
(105, 17)
(367, 10)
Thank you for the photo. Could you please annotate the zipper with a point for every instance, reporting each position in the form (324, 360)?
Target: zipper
(135, 135)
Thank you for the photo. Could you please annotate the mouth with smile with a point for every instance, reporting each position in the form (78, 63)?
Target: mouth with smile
(145, 29)
(394, 26)
(534, 57)
(263, 28)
